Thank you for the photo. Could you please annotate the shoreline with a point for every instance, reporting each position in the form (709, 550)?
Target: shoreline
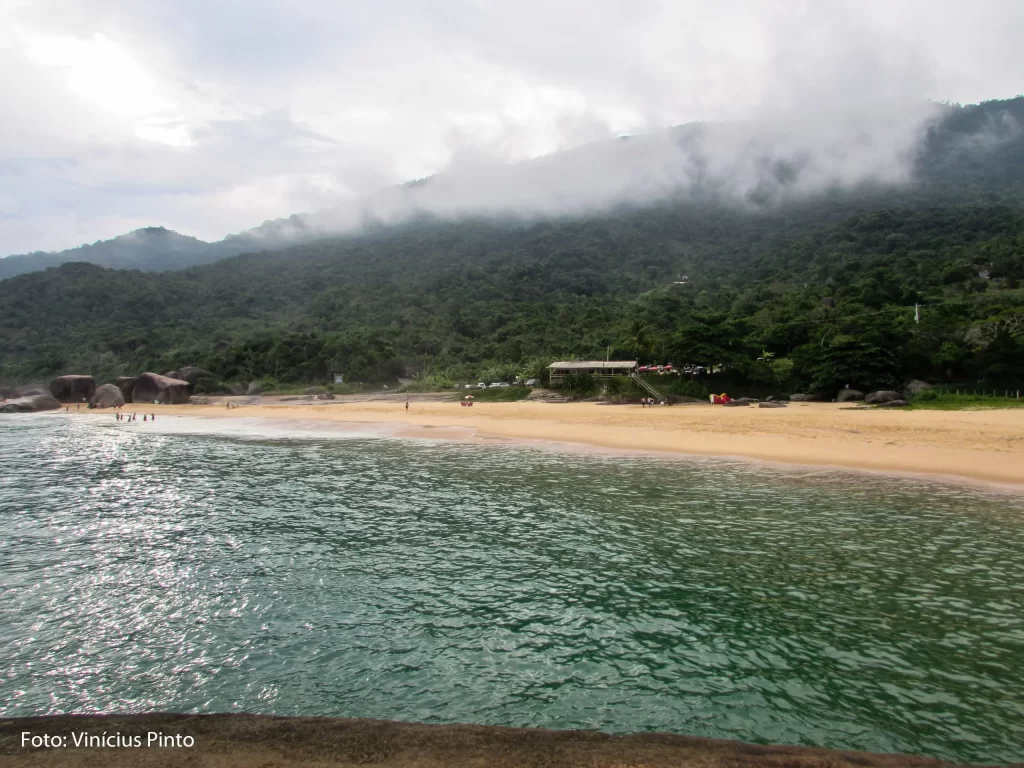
(981, 447)
(229, 740)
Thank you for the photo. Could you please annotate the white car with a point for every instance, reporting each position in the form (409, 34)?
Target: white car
(494, 384)
(532, 382)
(481, 385)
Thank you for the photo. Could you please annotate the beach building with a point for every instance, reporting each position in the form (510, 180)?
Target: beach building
(599, 368)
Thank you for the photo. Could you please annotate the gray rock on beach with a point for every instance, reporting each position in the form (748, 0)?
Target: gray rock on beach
(849, 395)
(805, 398)
(771, 404)
(152, 387)
(882, 396)
(73, 389)
(32, 404)
(127, 385)
(107, 396)
(894, 404)
(192, 374)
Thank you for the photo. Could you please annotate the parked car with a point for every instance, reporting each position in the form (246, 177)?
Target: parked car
(481, 385)
(532, 382)
(501, 384)
(494, 384)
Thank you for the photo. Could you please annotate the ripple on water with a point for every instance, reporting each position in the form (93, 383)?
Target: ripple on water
(446, 582)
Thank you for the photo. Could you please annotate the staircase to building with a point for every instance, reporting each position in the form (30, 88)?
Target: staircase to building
(647, 387)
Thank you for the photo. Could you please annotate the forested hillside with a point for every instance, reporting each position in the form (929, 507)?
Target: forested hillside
(807, 297)
(969, 154)
(153, 248)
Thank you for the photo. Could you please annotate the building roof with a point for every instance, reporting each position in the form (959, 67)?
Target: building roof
(589, 364)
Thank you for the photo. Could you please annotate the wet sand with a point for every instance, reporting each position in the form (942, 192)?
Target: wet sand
(980, 445)
(230, 740)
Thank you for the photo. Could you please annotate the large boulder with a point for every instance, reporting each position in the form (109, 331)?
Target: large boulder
(882, 396)
(73, 389)
(127, 386)
(849, 395)
(916, 387)
(236, 389)
(255, 388)
(107, 396)
(805, 398)
(894, 404)
(175, 374)
(30, 404)
(152, 387)
(192, 374)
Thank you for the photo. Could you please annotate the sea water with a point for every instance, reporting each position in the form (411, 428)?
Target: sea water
(197, 566)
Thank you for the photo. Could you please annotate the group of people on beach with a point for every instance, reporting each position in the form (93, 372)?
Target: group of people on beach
(649, 402)
(134, 416)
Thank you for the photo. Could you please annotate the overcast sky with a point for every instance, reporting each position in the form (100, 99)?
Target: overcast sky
(210, 116)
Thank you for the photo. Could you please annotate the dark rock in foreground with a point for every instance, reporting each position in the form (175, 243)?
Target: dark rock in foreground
(73, 389)
(127, 385)
(32, 404)
(230, 740)
(882, 396)
(107, 396)
(849, 395)
(152, 387)
(771, 404)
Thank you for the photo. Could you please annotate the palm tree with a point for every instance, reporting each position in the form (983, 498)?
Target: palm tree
(638, 335)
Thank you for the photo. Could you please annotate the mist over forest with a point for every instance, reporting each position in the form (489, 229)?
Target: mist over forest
(804, 258)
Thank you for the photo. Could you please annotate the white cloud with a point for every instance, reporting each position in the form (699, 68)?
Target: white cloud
(209, 116)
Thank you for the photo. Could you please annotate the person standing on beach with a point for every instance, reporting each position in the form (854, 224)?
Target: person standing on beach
(152, 417)
(406, 406)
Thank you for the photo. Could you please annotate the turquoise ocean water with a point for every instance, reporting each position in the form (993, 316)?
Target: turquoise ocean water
(198, 567)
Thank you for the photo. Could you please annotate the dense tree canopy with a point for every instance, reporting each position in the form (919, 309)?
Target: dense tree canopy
(788, 299)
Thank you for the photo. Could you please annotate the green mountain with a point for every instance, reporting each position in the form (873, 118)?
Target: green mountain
(806, 294)
(152, 248)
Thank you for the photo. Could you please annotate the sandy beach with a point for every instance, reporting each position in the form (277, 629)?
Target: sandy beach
(979, 445)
